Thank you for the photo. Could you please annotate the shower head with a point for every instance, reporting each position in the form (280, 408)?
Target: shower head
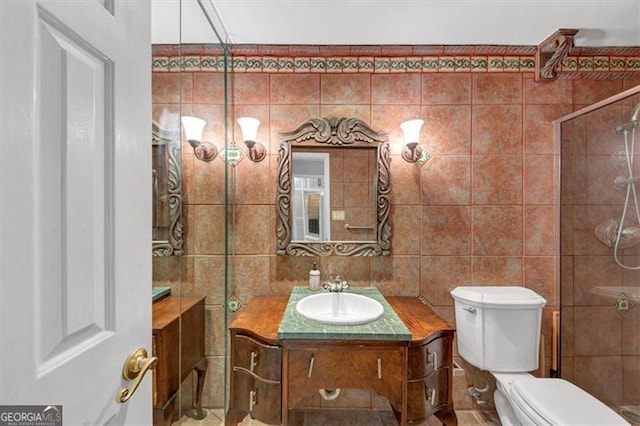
(635, 113)
(626, 127)
(630, 125)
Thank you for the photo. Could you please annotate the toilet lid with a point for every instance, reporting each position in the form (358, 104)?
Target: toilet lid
(560, 402)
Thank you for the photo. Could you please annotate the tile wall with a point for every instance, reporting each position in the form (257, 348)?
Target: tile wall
(482, 211)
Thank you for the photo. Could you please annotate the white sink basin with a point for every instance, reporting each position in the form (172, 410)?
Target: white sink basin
(340, 308)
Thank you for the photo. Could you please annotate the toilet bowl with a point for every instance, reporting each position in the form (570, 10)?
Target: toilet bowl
(522, 399)
(498, 330)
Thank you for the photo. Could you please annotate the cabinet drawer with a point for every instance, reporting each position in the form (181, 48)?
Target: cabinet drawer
(425, 359)
(428, 395)
(261, 399)
(262, 360)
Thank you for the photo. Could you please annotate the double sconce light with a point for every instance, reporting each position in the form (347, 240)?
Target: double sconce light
(412, 151)
(207, 151)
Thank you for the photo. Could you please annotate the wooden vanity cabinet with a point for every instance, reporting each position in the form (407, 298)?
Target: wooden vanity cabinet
(256, 374)
(265, 377)
(430, 364)
(178, 326)
(256, 362)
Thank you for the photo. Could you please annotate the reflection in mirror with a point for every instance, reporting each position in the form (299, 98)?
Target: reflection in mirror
(333, 190)
(167, 192)
(311, 195)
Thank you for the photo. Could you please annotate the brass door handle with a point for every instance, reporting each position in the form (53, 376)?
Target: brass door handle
(135, 367)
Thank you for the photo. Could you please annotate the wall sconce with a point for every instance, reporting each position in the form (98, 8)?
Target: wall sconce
(249, 127)
(193, 127)
(413, 152)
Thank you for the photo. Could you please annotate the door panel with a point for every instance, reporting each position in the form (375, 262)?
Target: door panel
(76, 210)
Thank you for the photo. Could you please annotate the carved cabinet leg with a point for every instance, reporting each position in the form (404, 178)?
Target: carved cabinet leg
(201, 370)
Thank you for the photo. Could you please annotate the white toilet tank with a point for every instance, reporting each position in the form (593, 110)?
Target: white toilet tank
(498, 327)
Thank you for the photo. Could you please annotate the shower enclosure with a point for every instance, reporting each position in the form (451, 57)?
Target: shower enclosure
(600, 250)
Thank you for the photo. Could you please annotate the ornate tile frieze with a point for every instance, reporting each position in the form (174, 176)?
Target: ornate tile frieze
(573, 67)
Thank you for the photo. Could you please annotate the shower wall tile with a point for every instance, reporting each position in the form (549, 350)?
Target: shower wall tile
(601, 376)
(601, 172)
(497, 88)
(567, 330)
(587, 92)
(589, 343)
(631, 380)
(630, 335)
(600, 130)
(496, 129)
(594, 271)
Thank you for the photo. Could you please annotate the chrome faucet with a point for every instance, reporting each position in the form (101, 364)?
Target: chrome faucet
(335, 286)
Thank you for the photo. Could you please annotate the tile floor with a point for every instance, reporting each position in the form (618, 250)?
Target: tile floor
(377, 418)
(350, 418)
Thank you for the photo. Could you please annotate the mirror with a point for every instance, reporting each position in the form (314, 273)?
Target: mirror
(167, 191)
(333, 190)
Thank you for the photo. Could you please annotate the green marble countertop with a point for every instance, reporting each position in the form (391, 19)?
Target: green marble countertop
(387, 327)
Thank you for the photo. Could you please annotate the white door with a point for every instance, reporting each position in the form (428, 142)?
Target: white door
(76, 205)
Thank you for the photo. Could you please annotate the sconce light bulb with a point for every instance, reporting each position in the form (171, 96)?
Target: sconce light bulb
(193, 127)
(249, 127)
(411, 130)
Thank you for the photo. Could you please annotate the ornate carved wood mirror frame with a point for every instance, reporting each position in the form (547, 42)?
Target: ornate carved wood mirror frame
(167, 194)
(334, 133)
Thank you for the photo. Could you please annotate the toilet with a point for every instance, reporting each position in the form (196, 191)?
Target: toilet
(498, 330)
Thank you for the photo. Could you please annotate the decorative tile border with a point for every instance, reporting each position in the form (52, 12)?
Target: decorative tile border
(575, 66)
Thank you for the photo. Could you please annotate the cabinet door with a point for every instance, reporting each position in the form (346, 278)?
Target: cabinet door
(260, 398)
(425, 359)
(258, 358)
(359, 367)
(427, 395)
